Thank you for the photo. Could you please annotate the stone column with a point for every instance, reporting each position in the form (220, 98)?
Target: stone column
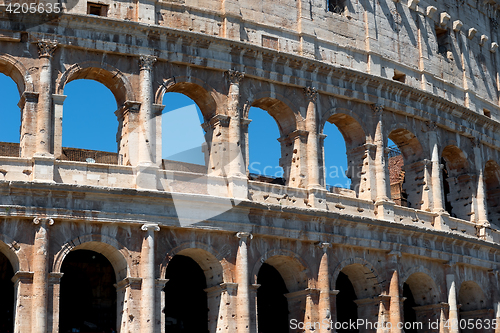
(436, 176)
(368, 310)
(54, 297)
(481, 205)
(452, 298)
(148, 278)
(383, 193)
(147, 142)
(324, 304)
(220, 307)
(236, 164)
(128, 297)
(28, 106)
(243, 279)
(46, 49)
(160, 305)
(427, 190)
(40, 278)
(253, 307)
(395, 301)
(23, 285)
(128, 132)
(312, 139)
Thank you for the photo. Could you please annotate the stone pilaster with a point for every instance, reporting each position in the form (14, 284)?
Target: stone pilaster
(128, 295)
(128, 132)
(58, 122)
(148, 278)
(221, 308)
(244, 321)
(452, 298)
(324, 304)
(40, 278)
(23, 285)
(333, 307)
(383, 193)
(216, 128)
(147, 140)
(236, 163)
(160, 304)
(394, 292)
(54, 298)
(481, 217)
(46, 49)
(312, 138)
(28, 105)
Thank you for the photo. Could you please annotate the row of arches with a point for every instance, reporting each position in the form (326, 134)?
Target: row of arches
(460, 175)
(89, 300)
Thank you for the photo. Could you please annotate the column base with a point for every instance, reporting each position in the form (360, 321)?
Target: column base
(385, 210)
(238, 187)
(441, 221)
(317, 197)
(146, 176)
(43, 169)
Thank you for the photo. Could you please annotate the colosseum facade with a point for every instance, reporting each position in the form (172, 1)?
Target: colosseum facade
(135, 243)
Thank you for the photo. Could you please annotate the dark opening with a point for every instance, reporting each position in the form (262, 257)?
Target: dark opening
(487, 113)
(446, 189)
(442, 40)
(88, 297)
(97, 9)
(272, 305)
(336, 6)
(7, 292)
(347, 309)
(186, 307)
(409, 313)
(399, 76)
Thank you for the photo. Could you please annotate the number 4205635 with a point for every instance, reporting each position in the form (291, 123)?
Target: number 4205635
(32, 8)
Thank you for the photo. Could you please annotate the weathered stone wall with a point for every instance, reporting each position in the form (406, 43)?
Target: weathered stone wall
(305, 67)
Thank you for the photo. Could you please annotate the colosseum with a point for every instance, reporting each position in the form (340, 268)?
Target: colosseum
(130, 242)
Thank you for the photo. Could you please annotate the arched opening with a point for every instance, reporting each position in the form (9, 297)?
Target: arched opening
(89, 123)
(406, 168)
(473, 306)
(457, 185)
(11, 118)
(88, 301)
(186, 305)
(7, 292)
(272, 305)
(183, 145)
(264, 149)
(347, 309)
(342, 152)
(271, 161)
(357, 284)
(421, 293)
(492, 187)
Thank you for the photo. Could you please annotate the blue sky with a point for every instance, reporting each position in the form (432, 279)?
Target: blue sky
(90, 123)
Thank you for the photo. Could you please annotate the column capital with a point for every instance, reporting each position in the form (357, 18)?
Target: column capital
(150, 226)
(235, 76)
(43, 220)
(146, 62)
(244, 235)
(311, 94)
(325, 246)
(46, 48)
(377, 108)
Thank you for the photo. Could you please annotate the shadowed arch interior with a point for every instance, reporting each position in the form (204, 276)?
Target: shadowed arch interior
(347, 309)
(7, 292)
(111, 80)
(423, 289)
(282, 114)
(199, 95)
(88, 300)
(209, 264)
(186, 308)
(363, 280)
(492, 187)
(272, 305)
(408, 144)
(471, 297)
(351, 130)
(457, 183)
(291, 270)
(456, 161)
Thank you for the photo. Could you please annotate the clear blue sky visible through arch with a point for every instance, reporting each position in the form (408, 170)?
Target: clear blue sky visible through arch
(89, 122)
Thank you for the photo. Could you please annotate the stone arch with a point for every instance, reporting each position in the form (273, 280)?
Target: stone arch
(199, 91)
(16, 257)
(492, 188)
(348, 123)
(109, 247)
(363, 276)
(292, 268)
(407, 142)
(471, 297)
(423, 287)
(205, 256)
(104, 73)
(278, 107)
(455, 158)
(15, 69)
